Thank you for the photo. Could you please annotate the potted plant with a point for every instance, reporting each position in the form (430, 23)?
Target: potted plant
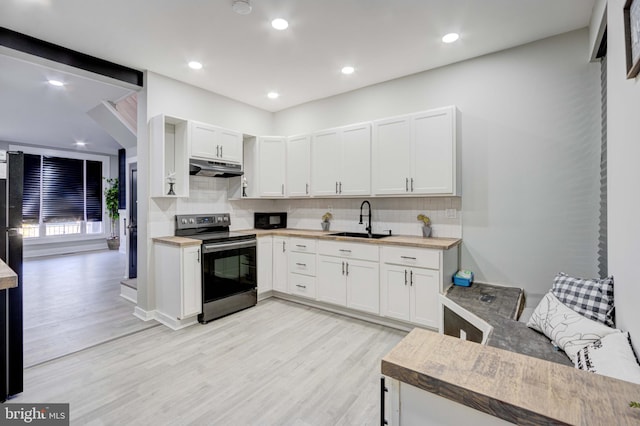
(325, 221)
(426, 225)
(111, 201)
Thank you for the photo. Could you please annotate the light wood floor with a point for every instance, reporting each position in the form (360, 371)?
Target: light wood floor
(278, 363)
(72, 302)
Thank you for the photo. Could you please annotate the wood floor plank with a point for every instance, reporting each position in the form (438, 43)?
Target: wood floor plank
(278, 363)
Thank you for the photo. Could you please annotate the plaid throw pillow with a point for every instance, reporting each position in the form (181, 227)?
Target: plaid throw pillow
(592, 298)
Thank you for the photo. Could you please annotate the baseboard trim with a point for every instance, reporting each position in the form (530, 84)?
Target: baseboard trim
(174, 323)
(128, 293)
(144, 315)
(387, 322)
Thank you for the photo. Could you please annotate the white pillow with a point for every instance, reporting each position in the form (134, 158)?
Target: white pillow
(566, 328)
(610, 356)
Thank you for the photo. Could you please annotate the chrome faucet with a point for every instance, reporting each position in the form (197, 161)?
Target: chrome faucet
(368, 227)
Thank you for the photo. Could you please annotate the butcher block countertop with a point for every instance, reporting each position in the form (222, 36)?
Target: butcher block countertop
(517, 388)
(8, 278)
(394, 240)
(177, 241)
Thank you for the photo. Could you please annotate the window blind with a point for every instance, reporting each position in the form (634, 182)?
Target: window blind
(62, 189)
(31, 189)
(94, 191)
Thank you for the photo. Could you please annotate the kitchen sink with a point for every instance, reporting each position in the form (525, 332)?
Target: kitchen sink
(359, 235)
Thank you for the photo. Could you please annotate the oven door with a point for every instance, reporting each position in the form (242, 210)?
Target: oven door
(228, 269)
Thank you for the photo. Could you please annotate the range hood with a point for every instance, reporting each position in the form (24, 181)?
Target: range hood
(214, 168)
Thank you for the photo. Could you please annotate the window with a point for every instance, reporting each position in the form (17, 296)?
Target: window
(62, 196)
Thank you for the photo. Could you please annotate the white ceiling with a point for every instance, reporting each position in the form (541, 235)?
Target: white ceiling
(244, 58)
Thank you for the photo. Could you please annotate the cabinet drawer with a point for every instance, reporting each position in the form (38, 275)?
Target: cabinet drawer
(423, 258)
(302, 263)
(302, 285)
(303, 245)
(349, 250)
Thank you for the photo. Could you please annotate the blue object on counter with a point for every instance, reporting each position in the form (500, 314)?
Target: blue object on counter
(463, 278)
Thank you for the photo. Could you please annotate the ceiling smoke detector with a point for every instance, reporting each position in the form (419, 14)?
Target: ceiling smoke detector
(242, 7)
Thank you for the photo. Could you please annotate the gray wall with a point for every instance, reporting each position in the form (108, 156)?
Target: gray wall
(530, 153)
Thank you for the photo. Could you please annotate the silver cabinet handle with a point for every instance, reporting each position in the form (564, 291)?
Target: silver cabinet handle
(306, 188)
(198, 255)
(221, 154)
(342, 268)
(405, 277)
(336, 187)
(301, 245)
(283, 189)
(344, 250)
(301, 286)
(406, 185)
(125, 226)
(347, 270)
(217, 150)
(411, 277)
(411, 184)
(283, 243)
(340, 188)
(301, 264)
(407, 257)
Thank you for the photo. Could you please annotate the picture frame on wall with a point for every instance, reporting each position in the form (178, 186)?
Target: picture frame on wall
(632, 36)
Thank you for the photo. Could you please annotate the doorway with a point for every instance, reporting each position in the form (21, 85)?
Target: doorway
(133, 221)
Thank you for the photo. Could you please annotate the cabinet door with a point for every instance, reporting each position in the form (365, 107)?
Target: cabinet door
(265, 264)
(424, 296)
(203, 141)
(325, 158)
(230, 143)
(433, 156)
(363, 289)
(391, 151)
(280, 264)
(332, 286)
(271, 166)
(191, 282)
(298, 167)
(355, 175)
(395, 294)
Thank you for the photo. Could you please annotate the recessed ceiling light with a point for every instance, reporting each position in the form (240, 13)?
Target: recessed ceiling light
(450, 38)
(80, 143)
(348, 70)
(273, 95)
(56, 83)
(195, 65)
(279, 24)
(242, 7)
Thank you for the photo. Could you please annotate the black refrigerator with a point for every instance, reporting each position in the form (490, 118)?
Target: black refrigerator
(11, 187)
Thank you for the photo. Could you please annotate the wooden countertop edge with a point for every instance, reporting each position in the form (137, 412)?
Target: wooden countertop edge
(8, 278)
(508, 385)
(394, 240)
(177, 241)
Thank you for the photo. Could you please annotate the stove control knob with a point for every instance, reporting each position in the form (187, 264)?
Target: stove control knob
(219, 219)
(184, 221)
(192, 221)
(226, 219)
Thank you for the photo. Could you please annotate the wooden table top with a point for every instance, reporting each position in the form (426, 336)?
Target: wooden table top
(514, 387)
(8, 278)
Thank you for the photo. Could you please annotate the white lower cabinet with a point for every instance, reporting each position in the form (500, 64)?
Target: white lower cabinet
(351, 279)
(280, 264)
(302, 267)
(265, 264)
(178, 284)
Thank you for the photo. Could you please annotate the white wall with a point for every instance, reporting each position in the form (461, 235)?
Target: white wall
(530, 153)
(623, 150)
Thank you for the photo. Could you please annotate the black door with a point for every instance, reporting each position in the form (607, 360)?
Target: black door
(133, 224)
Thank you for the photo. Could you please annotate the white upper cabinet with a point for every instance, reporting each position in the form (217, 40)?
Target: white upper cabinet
(416, 154)
(208, 142)
(271, 166)
(298, 166)
(341, 161)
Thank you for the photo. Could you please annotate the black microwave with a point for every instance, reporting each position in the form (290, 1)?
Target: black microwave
(270, 220)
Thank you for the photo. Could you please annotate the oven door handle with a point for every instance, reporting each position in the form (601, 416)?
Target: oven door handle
(216, 247)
